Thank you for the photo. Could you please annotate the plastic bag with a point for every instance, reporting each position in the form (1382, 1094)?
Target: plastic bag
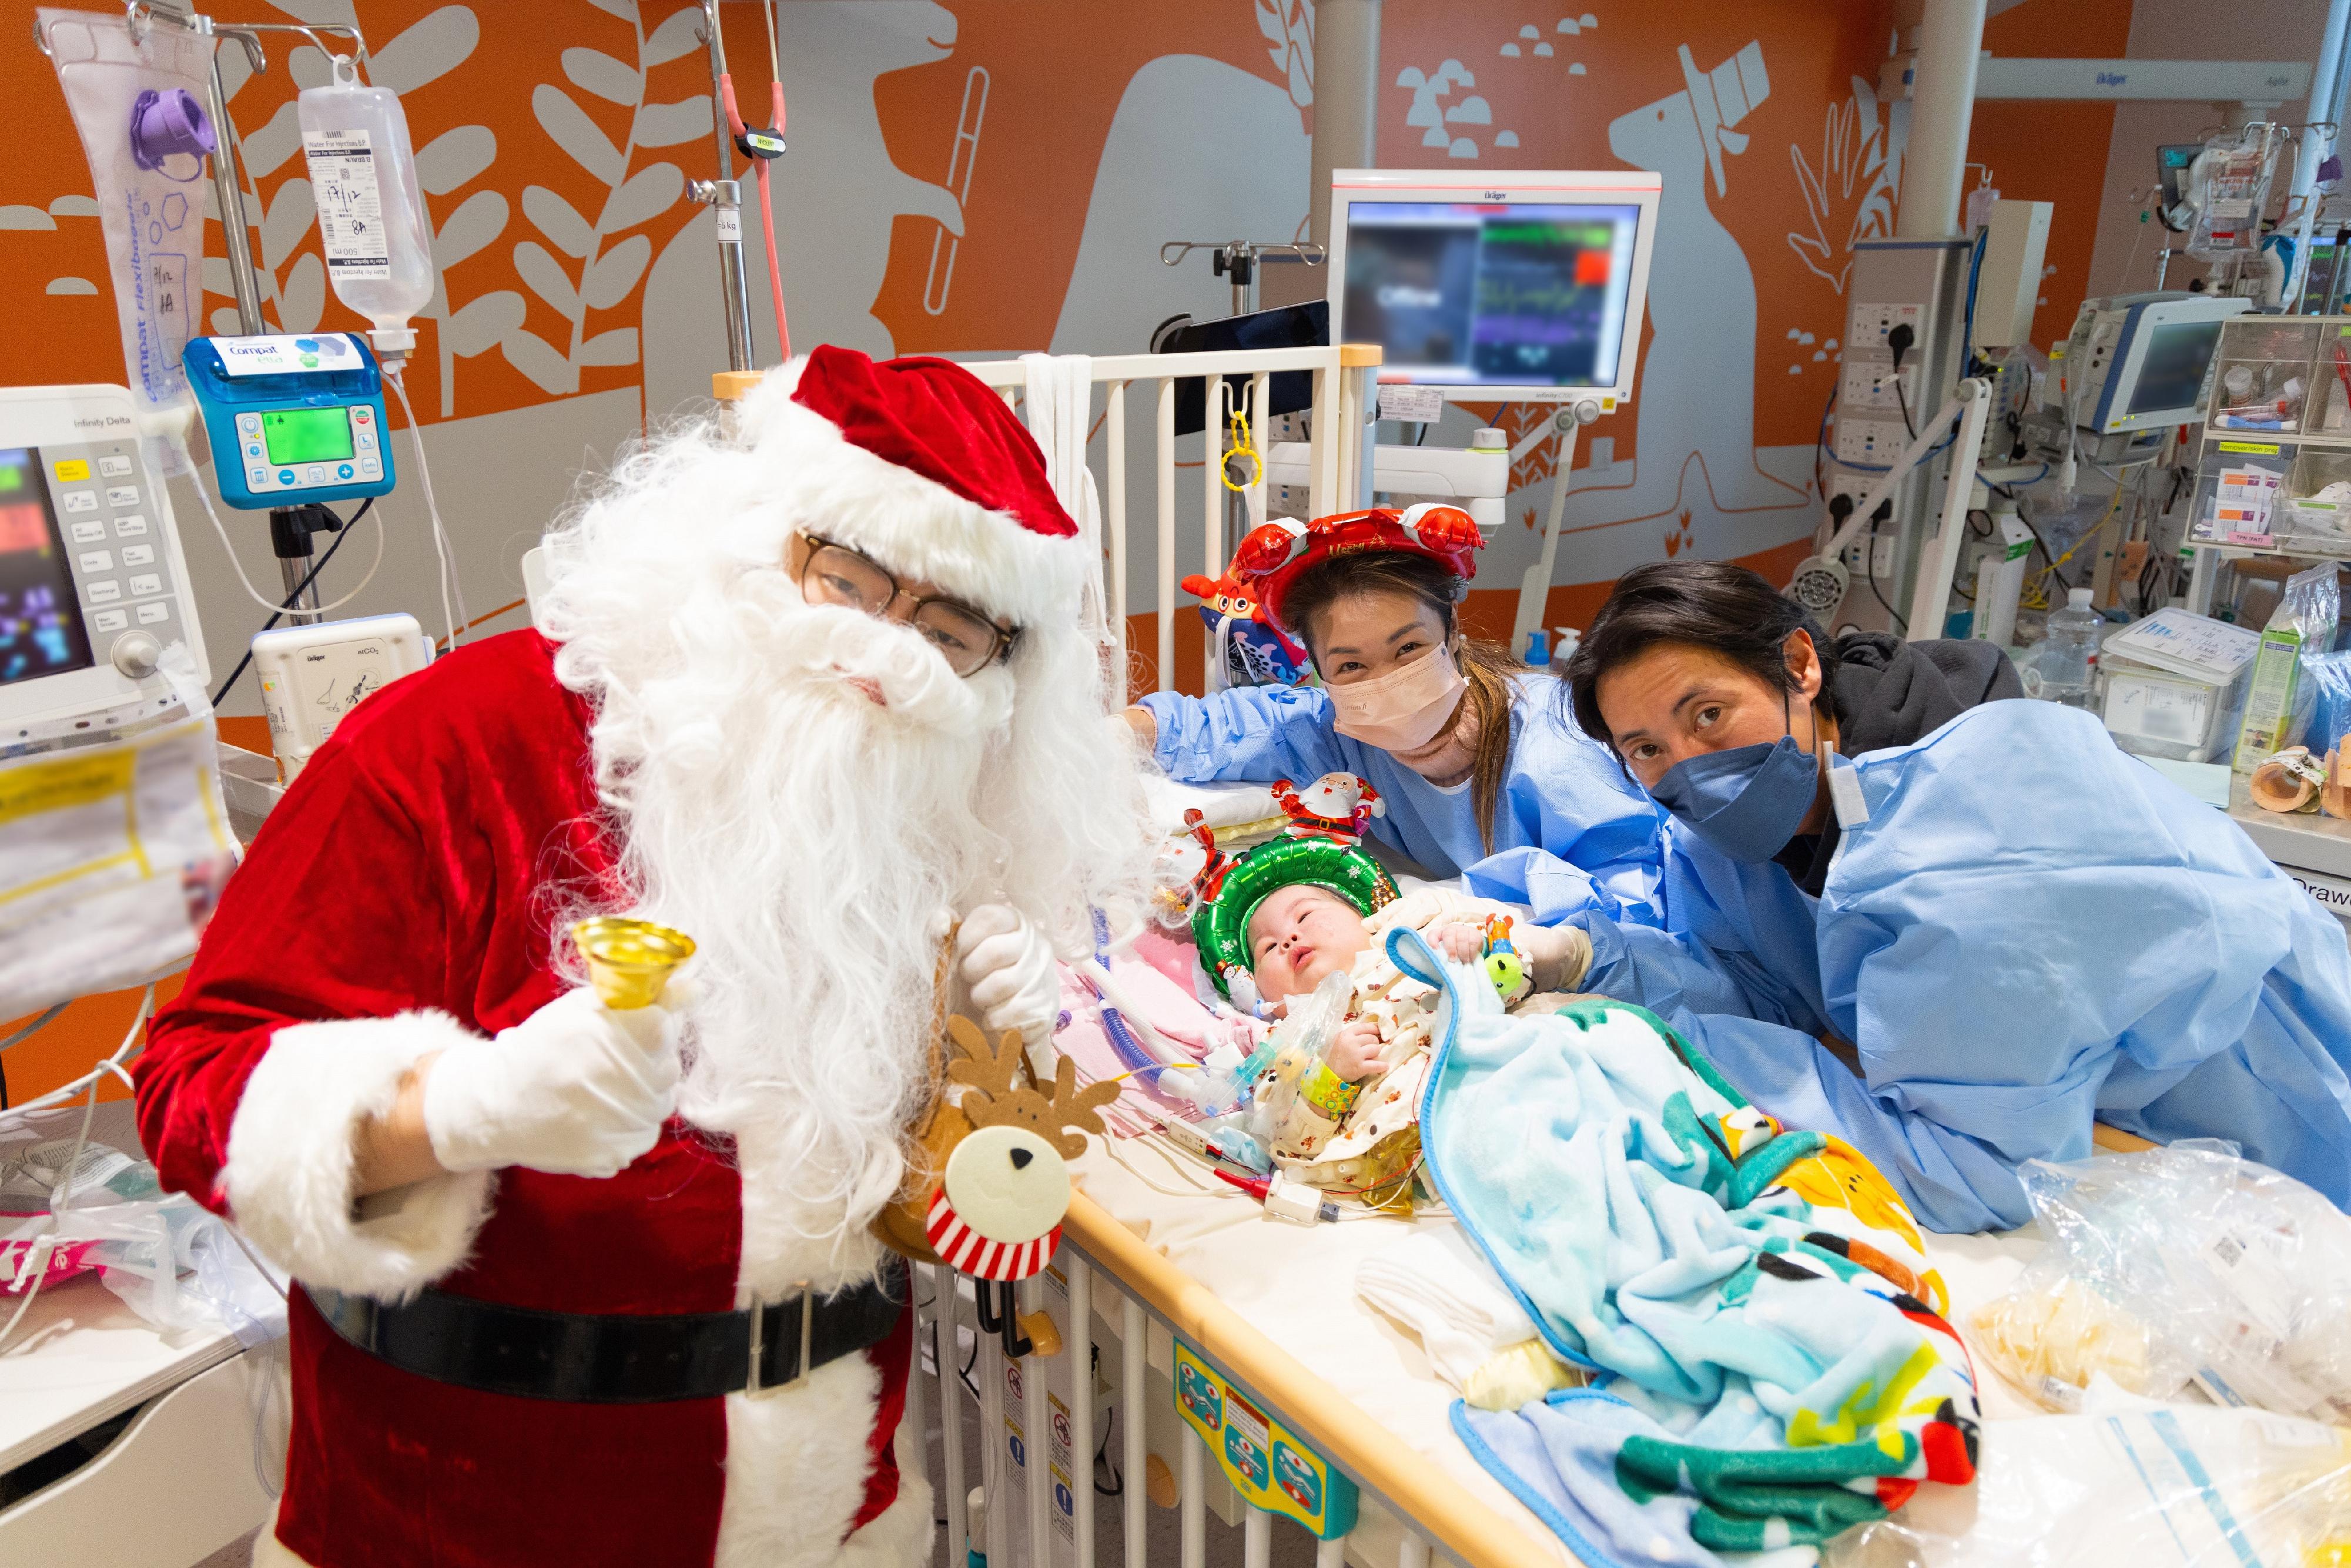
(2175, 1267)
(2278, 700)
(2130, 1484)
(2330, 702)
(171, 1261)
(1300, 1102)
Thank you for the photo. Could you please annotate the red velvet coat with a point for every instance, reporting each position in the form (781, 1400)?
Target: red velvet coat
(407, 882)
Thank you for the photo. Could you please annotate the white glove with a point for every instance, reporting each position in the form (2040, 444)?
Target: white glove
(576, 1089)
(1415, 911)
(1556, 955)
(1007, 970)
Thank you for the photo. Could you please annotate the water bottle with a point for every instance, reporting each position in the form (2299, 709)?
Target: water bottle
(2069, 651)
(370, 211)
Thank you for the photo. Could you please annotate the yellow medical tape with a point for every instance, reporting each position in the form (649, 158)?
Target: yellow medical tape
(65, 784)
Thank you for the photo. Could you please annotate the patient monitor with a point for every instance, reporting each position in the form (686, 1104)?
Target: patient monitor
(93, 590)
(1492, 286)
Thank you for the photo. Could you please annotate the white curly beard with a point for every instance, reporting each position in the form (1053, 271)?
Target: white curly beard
(812, 840)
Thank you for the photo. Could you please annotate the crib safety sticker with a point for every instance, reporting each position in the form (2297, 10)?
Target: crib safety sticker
(1268, 1465)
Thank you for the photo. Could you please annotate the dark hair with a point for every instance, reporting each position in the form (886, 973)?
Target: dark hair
(1710, 604)
(1487, 666)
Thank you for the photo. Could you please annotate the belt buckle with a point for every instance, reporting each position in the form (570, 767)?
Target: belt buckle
(755, 1387)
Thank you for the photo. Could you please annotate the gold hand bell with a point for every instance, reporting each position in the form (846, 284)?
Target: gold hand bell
(629, 961)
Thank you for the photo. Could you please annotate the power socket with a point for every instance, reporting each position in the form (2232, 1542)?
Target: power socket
(1869, 325)
(1881, 557)
(1872, 441)
(1871, 383)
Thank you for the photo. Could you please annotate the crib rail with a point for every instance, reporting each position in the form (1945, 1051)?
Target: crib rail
(1036, 1463)
(1338, 461)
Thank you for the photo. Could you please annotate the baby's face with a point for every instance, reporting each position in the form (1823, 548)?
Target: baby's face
(1299, 937)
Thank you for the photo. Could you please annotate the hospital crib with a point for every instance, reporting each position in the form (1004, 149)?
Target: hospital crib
(1108, 1289)
(1038, 1445)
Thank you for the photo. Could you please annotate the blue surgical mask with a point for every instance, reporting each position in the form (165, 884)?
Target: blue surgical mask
(1748, 801)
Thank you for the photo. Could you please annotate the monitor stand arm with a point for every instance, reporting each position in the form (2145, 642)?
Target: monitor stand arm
(1534, 588)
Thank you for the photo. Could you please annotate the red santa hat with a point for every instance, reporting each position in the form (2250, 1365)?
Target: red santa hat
(918, 464)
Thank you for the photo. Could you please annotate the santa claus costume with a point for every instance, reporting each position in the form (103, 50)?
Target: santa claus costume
(811, 793)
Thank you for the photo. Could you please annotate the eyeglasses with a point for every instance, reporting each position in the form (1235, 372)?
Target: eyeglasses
(829, 574)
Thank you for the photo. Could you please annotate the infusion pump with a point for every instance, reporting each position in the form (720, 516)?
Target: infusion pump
(93, 588)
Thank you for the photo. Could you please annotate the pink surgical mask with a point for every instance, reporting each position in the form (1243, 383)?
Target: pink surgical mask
(1404, 709)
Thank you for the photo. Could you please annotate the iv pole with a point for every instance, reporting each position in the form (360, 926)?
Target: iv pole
(726, 194)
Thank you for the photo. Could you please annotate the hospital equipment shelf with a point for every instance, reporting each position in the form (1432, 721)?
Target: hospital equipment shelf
(2314, 851)
(177, 1483)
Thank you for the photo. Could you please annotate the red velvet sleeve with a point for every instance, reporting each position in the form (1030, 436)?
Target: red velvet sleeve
(337, 913)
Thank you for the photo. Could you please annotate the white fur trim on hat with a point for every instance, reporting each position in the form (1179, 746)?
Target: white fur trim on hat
(289, 1176)
(910, 525)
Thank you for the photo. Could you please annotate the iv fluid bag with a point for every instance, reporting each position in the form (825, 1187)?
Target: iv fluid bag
(151, 209)
(370, 212)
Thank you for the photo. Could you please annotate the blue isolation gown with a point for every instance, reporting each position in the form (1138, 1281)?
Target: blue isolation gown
(1562, 794)
(2031, 929)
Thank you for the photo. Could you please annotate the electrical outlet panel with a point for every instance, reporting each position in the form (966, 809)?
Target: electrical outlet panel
(1881, 557)
(1873, 442)
(1870, 384)
(1870, 324)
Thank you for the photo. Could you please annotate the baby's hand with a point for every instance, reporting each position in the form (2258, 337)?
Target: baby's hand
(1355, 1055)
(1458, 940)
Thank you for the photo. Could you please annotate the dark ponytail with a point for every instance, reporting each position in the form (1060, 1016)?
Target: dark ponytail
(1708, 605)
(1487, 666)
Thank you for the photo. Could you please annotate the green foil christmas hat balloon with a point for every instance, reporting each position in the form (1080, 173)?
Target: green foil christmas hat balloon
(1220, 925)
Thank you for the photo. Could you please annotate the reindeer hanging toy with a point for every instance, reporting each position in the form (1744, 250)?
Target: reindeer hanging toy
(993, 1185)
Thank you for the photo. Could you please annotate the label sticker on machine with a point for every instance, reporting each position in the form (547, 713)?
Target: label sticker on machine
(1418, 405)
(350, 206)
(288, 355)
(1271, 1466)
(730, 225)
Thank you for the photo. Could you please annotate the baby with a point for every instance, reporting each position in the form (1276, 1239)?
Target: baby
(1303, 933)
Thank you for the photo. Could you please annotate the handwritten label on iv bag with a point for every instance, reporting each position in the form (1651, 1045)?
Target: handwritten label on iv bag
(351, 205)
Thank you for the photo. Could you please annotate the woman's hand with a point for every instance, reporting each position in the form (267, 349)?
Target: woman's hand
(1354, 1055)
(1556, 955)
(1417, 911)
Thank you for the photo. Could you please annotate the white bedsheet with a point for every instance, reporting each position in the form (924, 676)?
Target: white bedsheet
(1296, 1285)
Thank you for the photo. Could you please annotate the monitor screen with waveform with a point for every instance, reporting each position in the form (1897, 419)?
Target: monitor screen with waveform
(1465, 294)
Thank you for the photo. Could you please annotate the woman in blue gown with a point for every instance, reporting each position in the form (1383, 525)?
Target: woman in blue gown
(1952, 931)
(1474, 756)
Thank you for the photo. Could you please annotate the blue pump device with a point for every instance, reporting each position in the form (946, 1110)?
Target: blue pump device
(292, 420)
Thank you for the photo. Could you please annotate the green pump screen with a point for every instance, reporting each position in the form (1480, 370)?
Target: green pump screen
(307, 434)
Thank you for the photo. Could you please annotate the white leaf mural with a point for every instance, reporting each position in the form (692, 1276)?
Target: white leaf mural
(435, 45)
(484, 322)
(618, 347)
(592, 70)
(557, 220)
(548, 370)
(649, 193)
(565, 121)
(680, 34)
(669, 124)
(546, 277)
(617, 271)
(479, 219)
(453, 157)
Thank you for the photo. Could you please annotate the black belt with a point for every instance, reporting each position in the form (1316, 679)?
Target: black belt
(610, 1358)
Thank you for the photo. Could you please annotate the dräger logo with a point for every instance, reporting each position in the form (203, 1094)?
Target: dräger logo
(2113, 79)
